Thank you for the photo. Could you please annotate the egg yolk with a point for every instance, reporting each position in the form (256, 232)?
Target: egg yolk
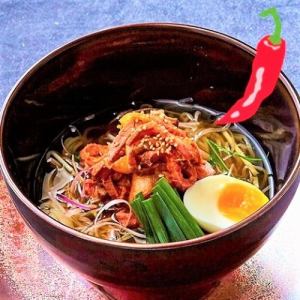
(237, 201)
(133, 116)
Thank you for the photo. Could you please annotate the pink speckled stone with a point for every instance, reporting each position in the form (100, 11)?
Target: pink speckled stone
(27, 272)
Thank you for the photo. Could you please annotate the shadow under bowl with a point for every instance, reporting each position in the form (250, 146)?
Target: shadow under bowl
(132, 64)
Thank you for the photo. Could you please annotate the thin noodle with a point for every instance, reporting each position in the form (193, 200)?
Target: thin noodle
(102, 222)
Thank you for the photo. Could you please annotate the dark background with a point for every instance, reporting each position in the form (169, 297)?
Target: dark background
(30, 29)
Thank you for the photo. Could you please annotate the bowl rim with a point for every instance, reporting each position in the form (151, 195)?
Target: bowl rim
(153, 25)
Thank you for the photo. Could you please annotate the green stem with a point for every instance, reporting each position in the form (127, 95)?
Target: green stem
(155, 221)
(170, 222)
(275, 38)
(188, 224)
(141, 214)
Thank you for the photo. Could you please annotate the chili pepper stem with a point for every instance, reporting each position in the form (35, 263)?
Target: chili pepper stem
(275, 38)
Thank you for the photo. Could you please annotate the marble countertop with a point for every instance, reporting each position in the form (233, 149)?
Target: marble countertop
(30, 29)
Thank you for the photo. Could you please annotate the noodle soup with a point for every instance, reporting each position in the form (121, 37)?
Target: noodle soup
(126, 179)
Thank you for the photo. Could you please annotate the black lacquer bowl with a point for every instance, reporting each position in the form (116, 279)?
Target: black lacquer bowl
(135, 63)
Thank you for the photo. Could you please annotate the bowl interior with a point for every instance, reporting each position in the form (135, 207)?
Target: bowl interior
(131, 65)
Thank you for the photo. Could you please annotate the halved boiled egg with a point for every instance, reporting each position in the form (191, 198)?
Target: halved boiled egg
(219, 201)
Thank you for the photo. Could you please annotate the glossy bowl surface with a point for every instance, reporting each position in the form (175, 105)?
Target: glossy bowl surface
(120, 67)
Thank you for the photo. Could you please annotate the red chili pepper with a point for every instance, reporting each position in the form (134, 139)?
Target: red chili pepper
(265, 72)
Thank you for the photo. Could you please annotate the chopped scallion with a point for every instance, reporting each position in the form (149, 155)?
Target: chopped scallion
(215, 158)
(173, 229)
(186, 222)
(140, 212)
(155, 221)
(164, 216)
(220, 149)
